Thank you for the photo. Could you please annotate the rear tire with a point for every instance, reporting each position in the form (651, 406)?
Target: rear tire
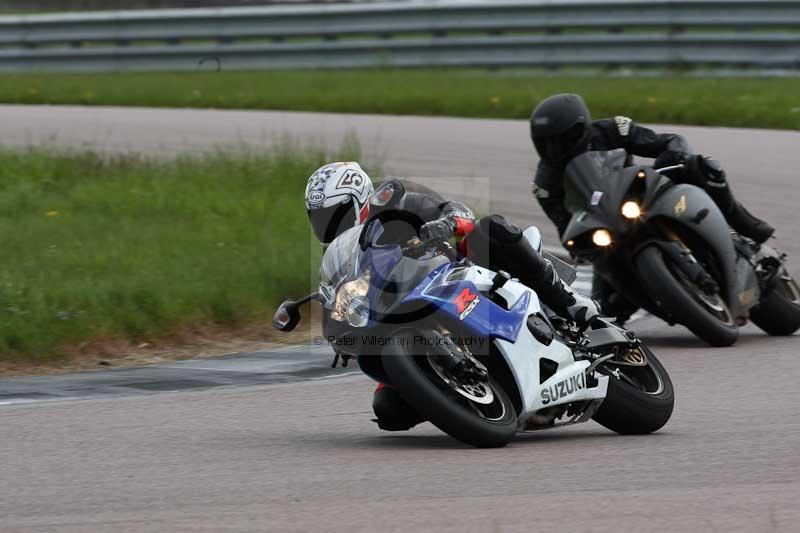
(438, 403)
(779, 311)
(674, 300)
(632, 411)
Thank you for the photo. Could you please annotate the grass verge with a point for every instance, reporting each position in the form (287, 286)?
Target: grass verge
(128, 248)
(722, 101)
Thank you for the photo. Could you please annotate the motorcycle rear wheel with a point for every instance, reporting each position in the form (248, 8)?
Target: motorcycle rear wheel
(480, 415)
(779, 311)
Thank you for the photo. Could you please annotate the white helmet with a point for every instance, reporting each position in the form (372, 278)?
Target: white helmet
(337, 198)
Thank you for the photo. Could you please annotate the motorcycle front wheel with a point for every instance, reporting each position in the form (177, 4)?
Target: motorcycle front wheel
(640, 399)
(677, 298)
(475, 412)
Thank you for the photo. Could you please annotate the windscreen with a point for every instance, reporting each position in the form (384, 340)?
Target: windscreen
(344, 260)
(340, 262)
(382, 265)
(590, 176)
(565, 271)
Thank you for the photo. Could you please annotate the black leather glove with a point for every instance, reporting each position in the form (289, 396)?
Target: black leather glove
(441, 229)
(705, 171)
(671, 158)
(712, 169)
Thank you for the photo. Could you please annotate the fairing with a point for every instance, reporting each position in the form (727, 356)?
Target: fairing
(486, 319)
(598, 185)
(458, 293)
(595, 172)
(691, 207)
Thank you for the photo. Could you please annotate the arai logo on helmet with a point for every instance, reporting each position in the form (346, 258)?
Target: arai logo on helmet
(316, 197)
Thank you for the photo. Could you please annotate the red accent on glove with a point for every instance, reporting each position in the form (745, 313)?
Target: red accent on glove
(464, 226)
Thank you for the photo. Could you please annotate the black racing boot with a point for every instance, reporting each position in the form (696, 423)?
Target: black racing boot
(392, 412)
(740, 219)
(748, 225)
(716, 185)
(498, 244)
(559, 296)
(612, 303)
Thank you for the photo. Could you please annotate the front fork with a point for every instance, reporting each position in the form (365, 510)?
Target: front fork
(682, 257)
(458, 361)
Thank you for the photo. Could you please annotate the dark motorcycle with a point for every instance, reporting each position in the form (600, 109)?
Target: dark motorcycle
(667, 248)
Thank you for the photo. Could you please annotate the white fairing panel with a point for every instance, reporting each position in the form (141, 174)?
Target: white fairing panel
(567, 385)
(480, 277)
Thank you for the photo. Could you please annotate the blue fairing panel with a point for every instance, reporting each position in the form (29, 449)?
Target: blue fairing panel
(457, 299)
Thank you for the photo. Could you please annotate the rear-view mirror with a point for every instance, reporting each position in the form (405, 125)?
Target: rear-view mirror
(287, 316)
(388, 194)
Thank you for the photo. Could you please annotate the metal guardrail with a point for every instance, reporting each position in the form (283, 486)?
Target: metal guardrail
(764, 33)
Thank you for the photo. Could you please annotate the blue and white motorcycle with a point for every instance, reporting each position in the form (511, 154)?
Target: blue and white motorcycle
(472, 350)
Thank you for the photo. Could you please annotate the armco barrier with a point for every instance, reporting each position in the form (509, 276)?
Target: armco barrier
(764, 33)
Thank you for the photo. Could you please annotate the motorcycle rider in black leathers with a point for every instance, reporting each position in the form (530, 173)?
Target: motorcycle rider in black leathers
(337, 198)
(562, 128)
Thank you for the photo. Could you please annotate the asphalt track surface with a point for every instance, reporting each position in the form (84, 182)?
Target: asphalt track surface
(301, 454)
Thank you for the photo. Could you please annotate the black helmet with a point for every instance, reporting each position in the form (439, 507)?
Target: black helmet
(560, 127)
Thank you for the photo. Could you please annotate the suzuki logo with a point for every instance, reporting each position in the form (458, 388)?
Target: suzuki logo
(465, 302)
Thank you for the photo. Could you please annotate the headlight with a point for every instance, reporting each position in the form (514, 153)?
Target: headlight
(601, 237)
(351, 304)
(358, 312)
(631, 210)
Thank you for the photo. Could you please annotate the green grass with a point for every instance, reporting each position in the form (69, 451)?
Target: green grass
(723, 101)
(128, 248)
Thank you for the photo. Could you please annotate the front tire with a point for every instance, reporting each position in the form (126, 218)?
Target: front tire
(679, 304)
(421, 386)
(639, 401)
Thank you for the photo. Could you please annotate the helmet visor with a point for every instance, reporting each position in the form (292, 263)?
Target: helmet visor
(564, 146)
(329, 222)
